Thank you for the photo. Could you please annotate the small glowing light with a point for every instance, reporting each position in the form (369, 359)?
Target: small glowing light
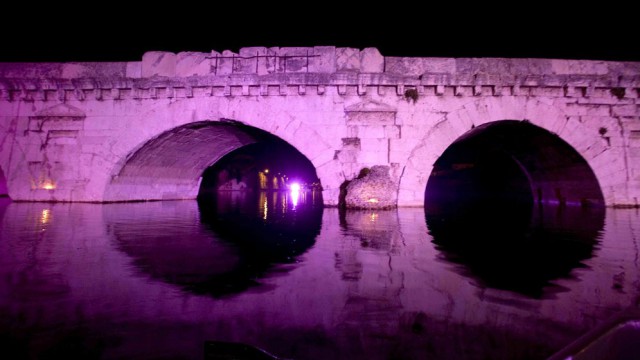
(266, 171)
(373, 217)
(373, 200)
(263, 204)
(263, 180)
(45, 216)
(48, 185)
(295, 194)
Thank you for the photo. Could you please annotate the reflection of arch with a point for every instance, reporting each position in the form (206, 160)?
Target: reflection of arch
(606, 164)
(517, 249)
(4, 191)
(213, 248)
(169, 165)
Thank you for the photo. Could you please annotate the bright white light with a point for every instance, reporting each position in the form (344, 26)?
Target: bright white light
(295, 194)
(48, 185)
(45, 217)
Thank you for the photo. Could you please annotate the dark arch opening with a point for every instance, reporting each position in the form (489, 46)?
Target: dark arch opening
(515, 205)
(269, 164)
(514, 162)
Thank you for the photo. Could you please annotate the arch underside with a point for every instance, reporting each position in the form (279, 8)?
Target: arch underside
(170, 165)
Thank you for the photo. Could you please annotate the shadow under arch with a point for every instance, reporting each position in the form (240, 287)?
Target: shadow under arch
(171, 165)
(515, 205)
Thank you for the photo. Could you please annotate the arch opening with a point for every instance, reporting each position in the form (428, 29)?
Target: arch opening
(180, 163)
(513, 163)
(514, 206)
(268, 165)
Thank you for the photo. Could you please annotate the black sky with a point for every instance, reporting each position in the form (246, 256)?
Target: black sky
(117, 33)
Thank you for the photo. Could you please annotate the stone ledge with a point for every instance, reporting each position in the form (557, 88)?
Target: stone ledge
(459, 85)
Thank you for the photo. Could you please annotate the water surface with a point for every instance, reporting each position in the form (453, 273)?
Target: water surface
(159, 279)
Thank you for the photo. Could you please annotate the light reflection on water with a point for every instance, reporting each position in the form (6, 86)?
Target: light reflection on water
(150, 280)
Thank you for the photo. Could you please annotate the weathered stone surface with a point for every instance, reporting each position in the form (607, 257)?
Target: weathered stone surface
(159, 63)
(192, 63)
(375, 190)
(347, 59)
(134, 69)
(324, 60)
(371, 61)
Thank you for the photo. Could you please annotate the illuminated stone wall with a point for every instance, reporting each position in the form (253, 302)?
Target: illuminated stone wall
(71, 131)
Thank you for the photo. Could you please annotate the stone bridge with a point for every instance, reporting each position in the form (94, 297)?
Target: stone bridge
(146, 130)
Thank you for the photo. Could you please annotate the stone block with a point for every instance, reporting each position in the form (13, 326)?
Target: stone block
(158, 63)
(192, 63)
(294, 59)
(371, 117)
(224, 63)
(625, 110)
(324, 60)
(581, 67)
(588, 110)
(368, 158)
(397, 156)
(74, 70)
(346, 156)
(270, 63)
(374, 144)
(371, 61)
(351, 143)
(347, 59)
(605, 101)
(134, 69)
(323, 157)
(418, 66)
(404, 145)
(392, 131)
(252, 51)
(371, 132)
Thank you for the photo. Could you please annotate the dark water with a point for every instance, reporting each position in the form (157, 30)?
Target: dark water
(158, 280)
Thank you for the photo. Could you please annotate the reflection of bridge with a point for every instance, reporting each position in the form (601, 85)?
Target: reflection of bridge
(148, 129)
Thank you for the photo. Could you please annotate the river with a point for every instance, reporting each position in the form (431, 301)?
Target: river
(162, 279)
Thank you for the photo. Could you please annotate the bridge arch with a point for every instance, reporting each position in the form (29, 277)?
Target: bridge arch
(513, 163)
(563, 136)
(170, 165)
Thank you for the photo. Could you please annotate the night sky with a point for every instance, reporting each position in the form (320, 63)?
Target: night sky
(116, 32)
